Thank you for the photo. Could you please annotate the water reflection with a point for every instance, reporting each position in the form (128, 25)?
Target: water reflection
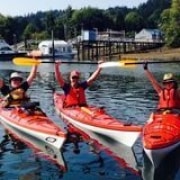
(15, 142)
(124, 156)
(168, 169)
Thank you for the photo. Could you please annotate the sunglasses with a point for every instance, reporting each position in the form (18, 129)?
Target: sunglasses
(75, 77)
(16, 79)
(168, 82)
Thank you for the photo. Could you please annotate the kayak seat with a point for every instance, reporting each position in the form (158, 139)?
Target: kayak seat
(168, 111)
(30, 105)
(127, 124)
(155, 137)
(32, 108)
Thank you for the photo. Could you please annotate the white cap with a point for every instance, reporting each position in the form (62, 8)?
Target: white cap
(169, 77)
(16, 75)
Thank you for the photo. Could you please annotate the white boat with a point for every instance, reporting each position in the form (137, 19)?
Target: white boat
(61, 49)
(7, 53)
(5, 48)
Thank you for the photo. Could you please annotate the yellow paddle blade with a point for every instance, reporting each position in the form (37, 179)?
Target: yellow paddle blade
(86, 110)
(25, 61)
(129, 63)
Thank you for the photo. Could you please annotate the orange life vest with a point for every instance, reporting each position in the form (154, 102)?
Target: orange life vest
(75, 97)
(169, 99)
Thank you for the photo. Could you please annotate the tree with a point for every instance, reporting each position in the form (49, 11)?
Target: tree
(171, 24)
(29, 31)
(117, 16)
(90, 18)
(133, 21)
(50, 22)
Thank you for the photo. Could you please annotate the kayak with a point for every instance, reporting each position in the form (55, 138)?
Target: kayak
(34, 123)
(161, 136)
(94, 119)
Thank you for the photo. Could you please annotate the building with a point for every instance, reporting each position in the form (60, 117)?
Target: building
(60, 48)
(149, 35)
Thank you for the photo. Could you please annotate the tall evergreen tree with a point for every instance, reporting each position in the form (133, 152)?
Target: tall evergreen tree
(171, 24)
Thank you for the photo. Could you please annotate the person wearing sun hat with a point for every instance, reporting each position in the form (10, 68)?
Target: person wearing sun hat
(168, 92)
(15, 93)
(75, 90)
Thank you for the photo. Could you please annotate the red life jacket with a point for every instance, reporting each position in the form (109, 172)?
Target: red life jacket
(75, 97)
(169, 99)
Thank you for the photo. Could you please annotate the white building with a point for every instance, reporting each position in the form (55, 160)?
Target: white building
(149, 35)
(61, 48)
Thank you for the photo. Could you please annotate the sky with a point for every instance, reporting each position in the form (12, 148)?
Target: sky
(23, 7)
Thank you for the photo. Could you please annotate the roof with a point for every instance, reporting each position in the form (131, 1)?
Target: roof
(152, 31)
(56, 42)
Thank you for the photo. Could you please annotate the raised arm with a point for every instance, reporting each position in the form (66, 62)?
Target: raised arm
(58, 75)
(96, 73)
(1, 83)
(32, 74)
(152, 79)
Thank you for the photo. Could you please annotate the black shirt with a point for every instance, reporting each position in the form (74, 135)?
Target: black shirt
(5, 90)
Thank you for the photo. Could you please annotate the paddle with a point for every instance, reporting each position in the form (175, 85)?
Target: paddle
(27, 61)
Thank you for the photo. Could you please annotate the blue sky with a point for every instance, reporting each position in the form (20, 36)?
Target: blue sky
(23, 7)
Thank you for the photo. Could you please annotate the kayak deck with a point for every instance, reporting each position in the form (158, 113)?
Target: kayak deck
(163, 131)
(94, 116)
(37, 121)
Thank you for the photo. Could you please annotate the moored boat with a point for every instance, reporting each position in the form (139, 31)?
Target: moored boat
(33, 123)
(96, 120)
(161, 136)
(7, 53)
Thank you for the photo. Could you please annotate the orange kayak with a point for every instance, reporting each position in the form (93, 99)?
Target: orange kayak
(35, 124)
(161, 136)
(94, 119)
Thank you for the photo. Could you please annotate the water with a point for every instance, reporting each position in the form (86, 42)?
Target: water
(124, 92)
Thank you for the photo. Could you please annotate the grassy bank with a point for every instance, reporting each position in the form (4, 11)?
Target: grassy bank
(161, 53)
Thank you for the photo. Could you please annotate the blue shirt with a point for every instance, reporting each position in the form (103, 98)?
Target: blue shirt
(66, 88)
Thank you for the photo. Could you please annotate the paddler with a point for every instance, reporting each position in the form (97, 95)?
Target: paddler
(15, 93)
(168, 92)
(75, 90)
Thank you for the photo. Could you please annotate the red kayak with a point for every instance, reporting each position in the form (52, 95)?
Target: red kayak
(161, 136)
(33, 123)
(94, 119)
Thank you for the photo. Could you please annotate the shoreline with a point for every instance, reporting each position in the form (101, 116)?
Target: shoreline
(162, 53)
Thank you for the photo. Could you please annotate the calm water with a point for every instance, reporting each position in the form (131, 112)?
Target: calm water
(125, 93)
